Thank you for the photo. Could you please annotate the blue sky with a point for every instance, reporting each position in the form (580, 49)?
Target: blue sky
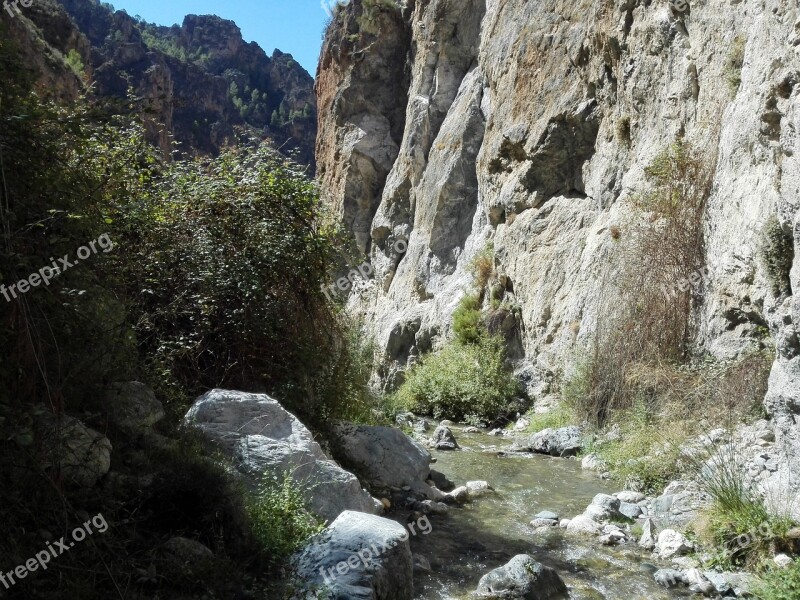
(292, 26)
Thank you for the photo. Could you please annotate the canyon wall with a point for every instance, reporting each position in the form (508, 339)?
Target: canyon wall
(526, 127)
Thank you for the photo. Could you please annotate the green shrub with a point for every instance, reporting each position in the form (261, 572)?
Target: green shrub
(778, 255)
(780, 584)
(734, 63)
(560, 416)
(463, 382)
(280, 518)
(467, 320)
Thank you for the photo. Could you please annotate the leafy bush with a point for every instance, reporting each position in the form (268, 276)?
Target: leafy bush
(467, 320)
(281, 520)
(778, 255)
(780, 584)
(464, 382)
(224, 262)
(560, 416)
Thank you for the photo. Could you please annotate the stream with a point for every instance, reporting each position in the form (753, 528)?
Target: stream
(487, 532)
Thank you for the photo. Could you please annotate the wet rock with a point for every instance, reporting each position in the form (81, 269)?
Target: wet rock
(536, 523)
(699, 583)
(458, 496)
(521, 578)
(672, 543)
(434, 508)
(359, 557)
(476, 489)
(547, 514)
(441, 481)
(443, 439)
(471, 430)
(585, 525)
(603, 508)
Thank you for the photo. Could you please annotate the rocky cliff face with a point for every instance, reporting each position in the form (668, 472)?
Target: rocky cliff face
(528, 125)
(197, 83)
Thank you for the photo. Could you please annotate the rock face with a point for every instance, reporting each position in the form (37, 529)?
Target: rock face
(260, 436)
(385, 457)
(196, 81)
(522, 578)
(452, 124)
(361, 557)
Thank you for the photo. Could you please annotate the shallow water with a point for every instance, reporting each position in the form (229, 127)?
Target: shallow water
(488, 532)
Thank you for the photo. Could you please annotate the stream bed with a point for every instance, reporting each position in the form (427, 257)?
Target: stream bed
(487, 532)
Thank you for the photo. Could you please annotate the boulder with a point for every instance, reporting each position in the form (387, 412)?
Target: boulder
(79, 454)
(522, 578)
(383, 456)
(261, 436)
(585, 525)
(358, 557)
(630, 511)
(132, 406)
(672, 543)
(593, 462)
(562, 442)
(476, 489)
(547, 514)
(631, 497)
(185, 551)
(603, 508)
(443, 439)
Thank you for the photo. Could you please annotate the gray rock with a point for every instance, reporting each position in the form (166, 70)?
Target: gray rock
(593, 462)
(522, 578)
(563, 442)
(132, 406)
(477, 489)
(382, 456)
(631, 497)
(672, 543)
(358, 557)
(537, 522)
(648, 538)
(631, 511)
(547, 514)
(584, 524)
(79, 454)
(443, 439)
(186, 551)
(261, 436)
(669, 578)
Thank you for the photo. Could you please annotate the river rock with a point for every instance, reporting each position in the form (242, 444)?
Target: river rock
(358, 557)
(585, 525)
(593, 462)
(261, 436)
(443, 439)
(547, 514)
(382, 456)
(458, 496)
(603, 508)
(672, 543)
(630, 511)
(536, 523)
(669, 578)
(563, 442)
(477, 489)
(521, 578)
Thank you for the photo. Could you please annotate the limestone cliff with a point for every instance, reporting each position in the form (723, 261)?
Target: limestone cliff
(529, 125)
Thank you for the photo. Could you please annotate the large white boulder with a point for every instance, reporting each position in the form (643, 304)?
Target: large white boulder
(262, 437)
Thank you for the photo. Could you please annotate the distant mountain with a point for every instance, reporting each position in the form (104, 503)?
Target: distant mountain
(198, 82)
